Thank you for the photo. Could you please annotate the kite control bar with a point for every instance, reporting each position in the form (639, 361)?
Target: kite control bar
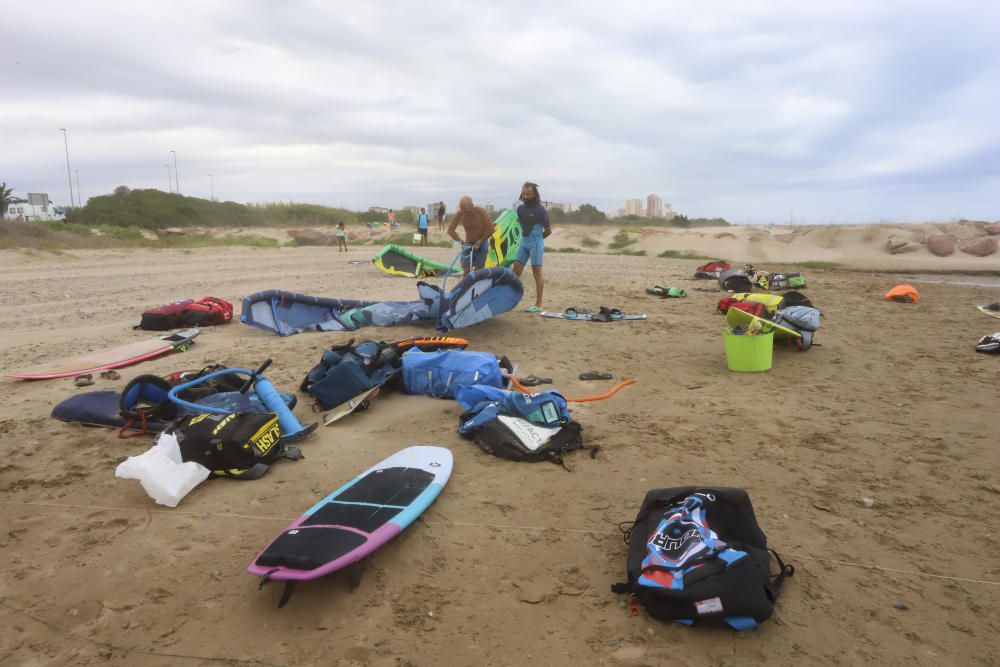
(291, 429)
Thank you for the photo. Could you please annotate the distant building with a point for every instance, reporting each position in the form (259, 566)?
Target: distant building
(668, 212)
(654, 206)
(415, 210)
(565, 207)
(633, 207)
(378, 209)
(35, 208)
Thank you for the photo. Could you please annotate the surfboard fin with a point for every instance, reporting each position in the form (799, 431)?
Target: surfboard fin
(355, 571)
(287, 595)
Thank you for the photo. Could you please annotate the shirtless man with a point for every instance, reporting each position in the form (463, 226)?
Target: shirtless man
(478, 231)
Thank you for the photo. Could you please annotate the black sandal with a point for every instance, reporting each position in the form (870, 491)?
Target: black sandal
(534, 381)
(595, 375)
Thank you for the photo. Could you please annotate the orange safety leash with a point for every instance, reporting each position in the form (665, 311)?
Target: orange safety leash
(586, 399)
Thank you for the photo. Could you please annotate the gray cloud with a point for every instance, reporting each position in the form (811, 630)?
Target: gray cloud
(847, 112)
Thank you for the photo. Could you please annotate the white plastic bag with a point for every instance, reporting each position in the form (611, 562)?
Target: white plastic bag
(162, 472)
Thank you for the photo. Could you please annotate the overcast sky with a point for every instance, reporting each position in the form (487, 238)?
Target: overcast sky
(839, 111)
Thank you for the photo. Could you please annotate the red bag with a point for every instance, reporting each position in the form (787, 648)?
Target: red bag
(163, 318)
(752, 307)
(207, 311)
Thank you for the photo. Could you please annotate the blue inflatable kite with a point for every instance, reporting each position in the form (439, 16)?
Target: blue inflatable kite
(478, 296)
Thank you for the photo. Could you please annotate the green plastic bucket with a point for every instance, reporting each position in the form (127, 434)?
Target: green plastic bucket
(748, 354)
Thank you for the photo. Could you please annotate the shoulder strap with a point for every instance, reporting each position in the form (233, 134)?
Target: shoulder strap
(784, 571)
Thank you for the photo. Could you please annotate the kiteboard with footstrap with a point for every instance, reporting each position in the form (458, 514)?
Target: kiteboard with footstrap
(585, 315)
(116, 357)
(356, 519)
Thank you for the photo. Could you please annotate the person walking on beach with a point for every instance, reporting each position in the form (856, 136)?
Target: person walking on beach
(422, 221)
(392, 220)
(341, 234)
(440, 216)
(478, 231)
(535, 228)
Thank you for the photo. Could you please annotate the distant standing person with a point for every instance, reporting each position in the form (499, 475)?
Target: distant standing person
(440, 216)
(392, 220)
(478, 231)
(422, 221)
(535, 228)
(341, 238)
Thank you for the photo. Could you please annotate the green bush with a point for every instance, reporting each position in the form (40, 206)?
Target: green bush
(685, 254)
(816, 264)
(59, 226)
(621, 240)
(129, 233)
(631, 253)
(570, 250)
(588, 242)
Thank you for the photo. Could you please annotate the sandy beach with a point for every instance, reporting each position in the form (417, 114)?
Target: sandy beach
(513, 564)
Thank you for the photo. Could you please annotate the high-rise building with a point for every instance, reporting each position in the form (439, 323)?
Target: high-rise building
(633, 207)
(654, 206)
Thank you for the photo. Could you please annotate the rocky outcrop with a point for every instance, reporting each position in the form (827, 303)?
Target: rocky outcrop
(786, 238)
(980, 247)
(993, 229)
(311, 237)
(941, 245)
(918, 238)
(725, 235)
(896, 245)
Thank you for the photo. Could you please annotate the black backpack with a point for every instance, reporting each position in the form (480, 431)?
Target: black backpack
(699, 556)
(517, 439)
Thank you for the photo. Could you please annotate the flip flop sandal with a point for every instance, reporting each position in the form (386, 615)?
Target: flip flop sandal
(657, 290)
(571, 313)
(534, 381)
(83, 380)
(111, 375)
(595, 375)
(532, 309)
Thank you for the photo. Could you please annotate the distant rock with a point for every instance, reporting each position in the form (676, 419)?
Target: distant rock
(918, 237)
(787, 238)
(980, 247)
(171, 231)
(896, 244)
(730, 235)
(993, 229)
(311, 237)
(941, 245)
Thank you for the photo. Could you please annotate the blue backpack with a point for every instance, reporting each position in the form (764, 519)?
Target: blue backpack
(441, 373)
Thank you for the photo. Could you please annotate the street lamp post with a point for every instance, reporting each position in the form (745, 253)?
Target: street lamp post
(79, 197)
(69, 176)
(170, 180)
(211, 182)
(177, 180)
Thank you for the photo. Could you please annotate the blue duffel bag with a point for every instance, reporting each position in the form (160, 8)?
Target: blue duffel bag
(440, 373)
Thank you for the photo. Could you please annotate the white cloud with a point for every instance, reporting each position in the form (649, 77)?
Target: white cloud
(737, 109)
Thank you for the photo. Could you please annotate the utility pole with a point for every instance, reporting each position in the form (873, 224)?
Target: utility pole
(211, 182)
(79, 197)
(176, 178)
(69, 176)
(170, 179)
